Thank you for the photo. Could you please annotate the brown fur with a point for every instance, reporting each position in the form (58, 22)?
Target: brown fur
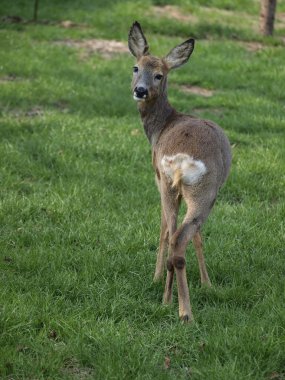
(170, 133)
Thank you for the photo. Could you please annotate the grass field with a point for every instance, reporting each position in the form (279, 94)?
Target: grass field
(80, 212)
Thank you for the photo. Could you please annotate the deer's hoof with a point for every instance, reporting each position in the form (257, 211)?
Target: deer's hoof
(157, 277)
(167, 299)
(186, 318)
(206, 284)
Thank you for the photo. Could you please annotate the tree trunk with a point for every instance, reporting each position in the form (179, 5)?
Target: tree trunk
(267, 15)
(36, 5)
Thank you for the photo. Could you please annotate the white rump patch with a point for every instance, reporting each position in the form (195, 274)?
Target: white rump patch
(191, 170)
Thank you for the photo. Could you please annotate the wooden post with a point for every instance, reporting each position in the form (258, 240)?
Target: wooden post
(267, 16)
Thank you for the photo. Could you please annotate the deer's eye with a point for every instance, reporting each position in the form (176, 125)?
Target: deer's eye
(136, 69)
(158, 76)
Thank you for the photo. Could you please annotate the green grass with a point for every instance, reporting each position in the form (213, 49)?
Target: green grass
(80, 211)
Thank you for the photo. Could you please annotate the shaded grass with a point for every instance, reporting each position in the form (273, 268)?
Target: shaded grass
(79, 210)
(108, 19)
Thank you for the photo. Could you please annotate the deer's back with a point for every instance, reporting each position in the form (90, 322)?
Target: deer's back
(202, 140)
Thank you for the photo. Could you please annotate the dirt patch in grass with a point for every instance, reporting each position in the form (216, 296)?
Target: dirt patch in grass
(199, 111)
(32, 112)
(11, 19)
(10, 78)
(60, 106)
(196, 90)
(220, 11)
(64, 23)
(70, 24)
(35, 111)
(173, 12)
(73, 369)
(253, 46)
(107, 48)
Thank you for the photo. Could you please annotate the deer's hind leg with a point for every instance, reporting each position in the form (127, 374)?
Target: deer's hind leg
(197, 242)
(198, 209)
(178, 243)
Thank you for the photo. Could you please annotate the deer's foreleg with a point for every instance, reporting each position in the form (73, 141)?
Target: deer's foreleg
(163, 244)
(170, 205)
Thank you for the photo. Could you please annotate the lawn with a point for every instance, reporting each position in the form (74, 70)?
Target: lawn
(80, 212)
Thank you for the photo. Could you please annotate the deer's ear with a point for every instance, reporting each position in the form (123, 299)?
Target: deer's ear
(180, 54)
(137, 42)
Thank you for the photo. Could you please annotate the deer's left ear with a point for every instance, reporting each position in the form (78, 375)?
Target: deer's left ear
(137, 42)
(180, 54)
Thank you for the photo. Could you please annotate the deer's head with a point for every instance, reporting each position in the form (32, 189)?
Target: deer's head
(149, 77)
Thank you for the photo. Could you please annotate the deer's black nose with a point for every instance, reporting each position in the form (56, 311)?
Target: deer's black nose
(141, 92)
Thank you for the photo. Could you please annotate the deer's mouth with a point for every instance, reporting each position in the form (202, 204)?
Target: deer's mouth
(140, 94)
(139, 98)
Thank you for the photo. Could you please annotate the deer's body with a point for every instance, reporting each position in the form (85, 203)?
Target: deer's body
(191, 158)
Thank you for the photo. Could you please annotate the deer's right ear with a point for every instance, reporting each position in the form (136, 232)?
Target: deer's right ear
(137, 42)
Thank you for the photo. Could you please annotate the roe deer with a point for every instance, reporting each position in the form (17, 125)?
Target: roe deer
(191, 158)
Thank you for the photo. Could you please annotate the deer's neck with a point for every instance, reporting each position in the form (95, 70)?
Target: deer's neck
(155, 116)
